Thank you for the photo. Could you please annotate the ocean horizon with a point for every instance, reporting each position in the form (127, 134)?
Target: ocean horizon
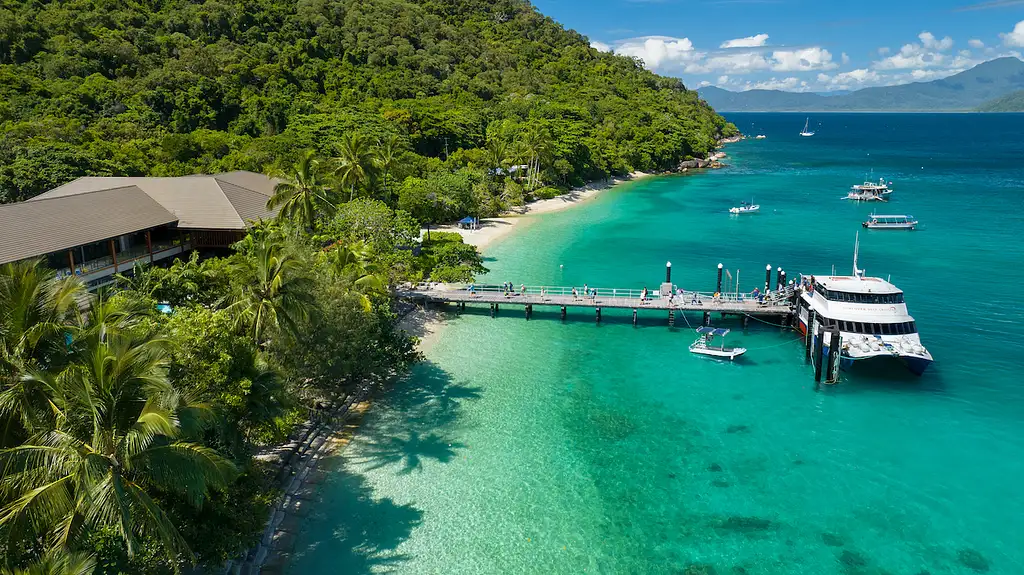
(549, 446)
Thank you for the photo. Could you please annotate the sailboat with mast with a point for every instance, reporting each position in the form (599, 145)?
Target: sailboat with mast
(807, 133)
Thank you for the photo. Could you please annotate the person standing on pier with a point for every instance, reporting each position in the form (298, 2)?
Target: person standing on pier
(522, 290)
(574, 293)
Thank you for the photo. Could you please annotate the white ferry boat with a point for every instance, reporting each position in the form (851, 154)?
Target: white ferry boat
(890, 222)
(871, 317)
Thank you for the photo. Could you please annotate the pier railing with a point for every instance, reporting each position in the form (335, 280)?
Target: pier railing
(608, 297)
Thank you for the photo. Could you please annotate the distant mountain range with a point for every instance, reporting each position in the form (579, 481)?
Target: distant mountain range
(965, 91)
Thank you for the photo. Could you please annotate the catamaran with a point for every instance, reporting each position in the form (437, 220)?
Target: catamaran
(745, 208)
(703, 345)
(890, 222)
(806, 132)
(870, 314)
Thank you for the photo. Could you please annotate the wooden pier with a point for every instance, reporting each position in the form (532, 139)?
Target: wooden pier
(777, 304)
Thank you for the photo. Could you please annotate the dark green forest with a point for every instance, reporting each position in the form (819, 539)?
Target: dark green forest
(460, 87)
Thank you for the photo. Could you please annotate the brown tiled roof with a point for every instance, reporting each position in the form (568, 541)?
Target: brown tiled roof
(35, 228)
(225, 201)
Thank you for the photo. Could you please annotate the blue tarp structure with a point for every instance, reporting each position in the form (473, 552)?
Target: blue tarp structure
(712, 331)
(467, 220)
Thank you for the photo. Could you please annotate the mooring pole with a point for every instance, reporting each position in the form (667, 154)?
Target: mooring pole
(718, 286)
(668, 272)
(634, 317)
(808, 334)
(833, 356)
(767, 278)
(707, 318)
(563, 312)
(818, 349)
(598, 314)
(492, 310)
(778, 279)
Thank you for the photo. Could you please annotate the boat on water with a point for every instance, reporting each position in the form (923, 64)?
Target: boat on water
(890, 222)
(870, 315)
(870, 191)
(703, 345)
(881, 188)
(745, 208)
(760, 137)
(806, 132)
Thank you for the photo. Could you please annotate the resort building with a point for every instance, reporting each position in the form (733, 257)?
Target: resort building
(95, 227)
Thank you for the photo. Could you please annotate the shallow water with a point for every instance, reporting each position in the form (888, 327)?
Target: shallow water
(548, 447)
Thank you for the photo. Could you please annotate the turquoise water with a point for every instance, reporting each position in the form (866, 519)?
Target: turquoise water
(548, 447)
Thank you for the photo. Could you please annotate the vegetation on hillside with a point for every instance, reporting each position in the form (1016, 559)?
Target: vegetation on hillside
(1012, 102)
(127, 435)
(400, 95)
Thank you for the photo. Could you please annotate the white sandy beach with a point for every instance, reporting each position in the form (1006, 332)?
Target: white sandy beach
(427, 324)
(491, 229)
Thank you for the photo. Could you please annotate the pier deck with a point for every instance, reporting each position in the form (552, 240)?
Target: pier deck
(775, 304)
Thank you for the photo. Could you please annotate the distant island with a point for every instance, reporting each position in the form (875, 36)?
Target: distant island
(1012, 102)
(982, 88)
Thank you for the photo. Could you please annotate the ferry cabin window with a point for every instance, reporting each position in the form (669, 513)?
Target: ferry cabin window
(878, 328)
(869, 298)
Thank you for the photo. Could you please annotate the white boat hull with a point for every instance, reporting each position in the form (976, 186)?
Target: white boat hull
(727, 353)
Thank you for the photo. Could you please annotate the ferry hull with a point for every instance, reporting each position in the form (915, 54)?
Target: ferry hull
(916, 365)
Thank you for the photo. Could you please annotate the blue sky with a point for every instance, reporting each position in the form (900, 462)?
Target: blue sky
(799, 45)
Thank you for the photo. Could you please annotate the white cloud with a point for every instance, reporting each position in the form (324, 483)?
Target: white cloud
(929, 41)
(663, 53)
(790, 84)
(737, 63)
(1015, 38)
(845, 58)
(814, 58)
(853, 79)
(748, 42)
(929, 53)
(600, 46)
(703, 83)
(973, 43)
(883, 50)
(724, 79)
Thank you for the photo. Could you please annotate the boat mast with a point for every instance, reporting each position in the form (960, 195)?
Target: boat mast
(857, 273)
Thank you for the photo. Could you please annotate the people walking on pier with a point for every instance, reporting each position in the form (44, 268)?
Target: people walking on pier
(574, 294)
(522, 290)
(586, 291)
(643, 295)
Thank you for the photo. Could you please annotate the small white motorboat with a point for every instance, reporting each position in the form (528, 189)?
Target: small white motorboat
(760, 137)
(745, 208)
(703, 345)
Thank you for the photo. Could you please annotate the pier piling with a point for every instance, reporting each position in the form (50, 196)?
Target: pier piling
(818, 348)
(718, 286)
(634, 317)
(563, 312)
(809, 335)
(767, 278)
(598, 314)
(707, 318)
(668, 272)
(832, 371)
(778, 279)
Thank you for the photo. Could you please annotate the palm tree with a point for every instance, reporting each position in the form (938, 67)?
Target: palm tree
(535, 140)
(300, 193)
(351, 263)
(117, 437)
(385, 156)
(353, 161)
(35, 307)
(274, 288)
(497, 153)
(58, 562)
